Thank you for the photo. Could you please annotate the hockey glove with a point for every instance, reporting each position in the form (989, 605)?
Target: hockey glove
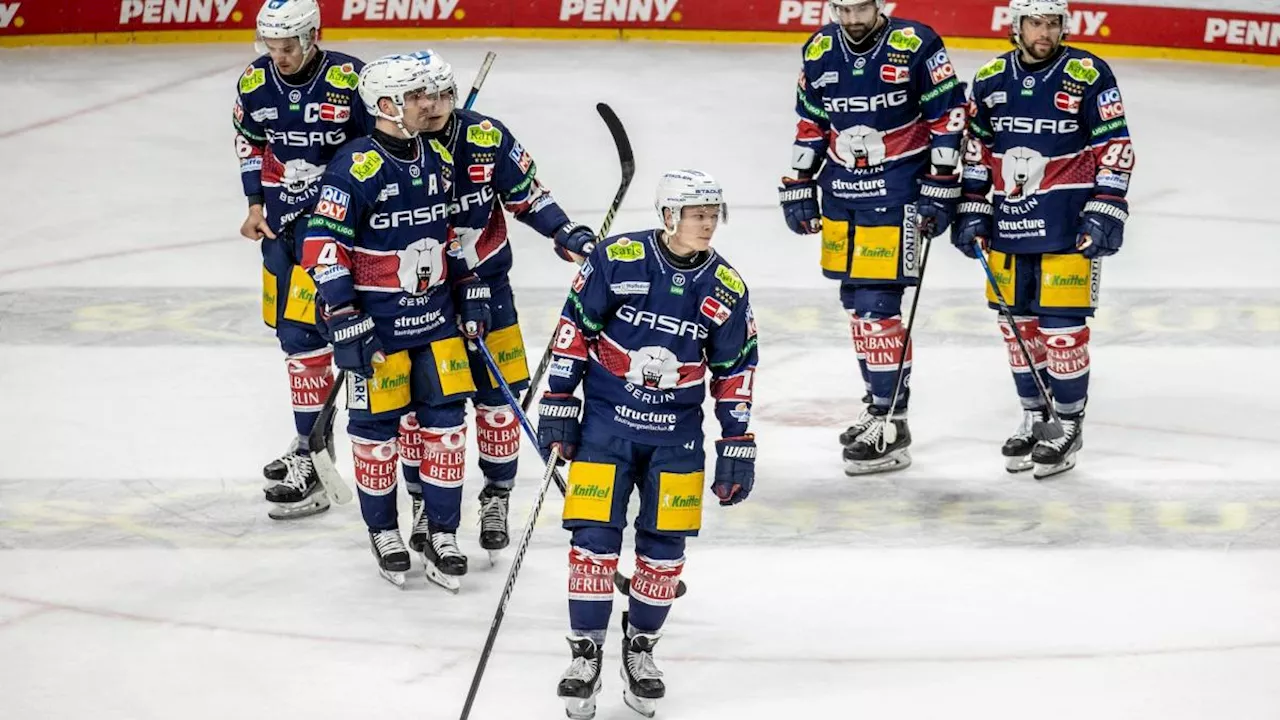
(574, 242)
(356, 346)
(559, 423)
(799, 200)
(735, 469)
(473, 306)
(1102, 226)
(973, 226)
(937, 204)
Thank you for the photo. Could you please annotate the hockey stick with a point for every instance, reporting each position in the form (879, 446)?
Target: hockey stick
(320, 445)
(628, 161)
(1041, 430)
(552, 460)
(890, 433)
(483, 73)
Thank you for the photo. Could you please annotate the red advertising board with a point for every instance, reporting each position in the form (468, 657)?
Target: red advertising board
(1129, 25)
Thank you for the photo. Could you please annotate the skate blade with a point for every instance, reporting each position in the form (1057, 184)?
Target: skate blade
(647, 707)
(301, 509)
(897, 460)
(395, 578)
(1018, 463)
(1044, 471)
(493, 558)
(450, 583)
(580, 708)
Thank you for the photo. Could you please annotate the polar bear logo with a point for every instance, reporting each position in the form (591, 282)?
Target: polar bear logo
(653, 367)
(861, 147)
(421, 266)
(299, 175)
(1023, 172)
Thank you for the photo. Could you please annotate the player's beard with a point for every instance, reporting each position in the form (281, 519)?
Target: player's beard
(1040, 51)
(857, 32)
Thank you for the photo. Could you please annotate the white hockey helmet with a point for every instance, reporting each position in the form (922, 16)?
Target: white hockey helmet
(850, 3)
(393, 77)
(1036, 8)
(439, 71)
(279, 19)
(679, 189)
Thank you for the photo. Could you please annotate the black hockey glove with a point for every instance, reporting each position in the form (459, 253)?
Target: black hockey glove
(559, 423)
(473, 307)
(937, 203)
(574, 239)
(799, 199)
(735, 469)
(356, 346)
(1102, 226)
(972, 228)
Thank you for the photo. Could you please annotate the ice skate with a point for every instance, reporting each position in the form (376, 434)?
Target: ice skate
(1017, 449)
(299, 493)
(445, 563)
(580, 684)
(1054, 457)
(882, 447)
(494, 504)
(275, 470)
(392, 555)
(644, 686)
(860, 424)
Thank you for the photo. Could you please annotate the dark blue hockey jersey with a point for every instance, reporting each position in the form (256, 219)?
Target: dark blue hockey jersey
(378, 238)
(640, 334)
(484, 163)
(1044, 142)
(876, 115)
(285, 135)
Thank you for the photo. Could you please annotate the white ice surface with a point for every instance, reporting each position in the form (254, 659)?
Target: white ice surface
(142, 579)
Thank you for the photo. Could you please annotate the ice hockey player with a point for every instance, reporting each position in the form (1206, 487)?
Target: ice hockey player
(649, 313)
(1049, 141)
(377, 246)
(485, 165)
(881, 118)
(292, 112)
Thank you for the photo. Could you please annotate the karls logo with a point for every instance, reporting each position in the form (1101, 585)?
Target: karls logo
(1250, 33)
(619, 10)
(1088, 23)
(812, 12)
(178, 11)
(377, 10)
(9, 15)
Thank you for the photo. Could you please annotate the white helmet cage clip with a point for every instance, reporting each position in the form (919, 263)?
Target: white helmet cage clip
(280, 19)
(679, 189)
